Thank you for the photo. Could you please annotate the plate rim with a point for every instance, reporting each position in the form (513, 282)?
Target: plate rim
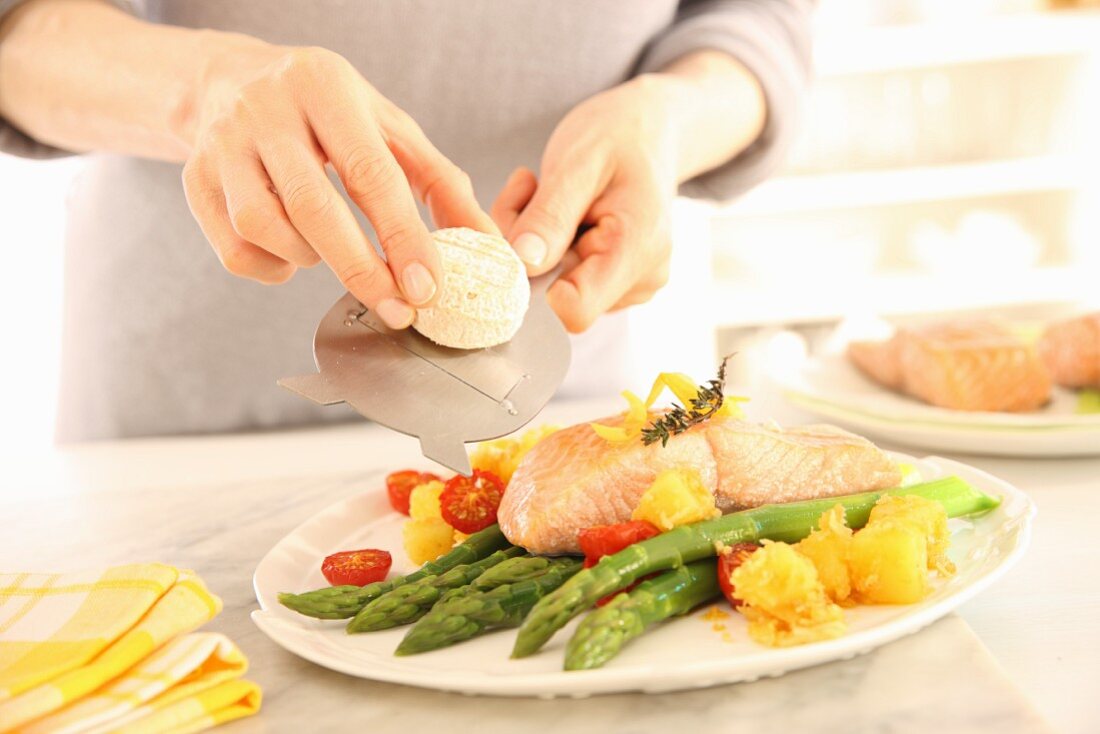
(580, 684)
(794, 383)
(813, 401)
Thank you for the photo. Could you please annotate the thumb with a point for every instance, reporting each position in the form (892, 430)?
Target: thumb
(547, 226)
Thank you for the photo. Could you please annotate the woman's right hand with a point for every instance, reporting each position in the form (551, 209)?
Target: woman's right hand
(264, 130)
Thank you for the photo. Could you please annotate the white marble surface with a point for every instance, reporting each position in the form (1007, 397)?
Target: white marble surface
(217, 505)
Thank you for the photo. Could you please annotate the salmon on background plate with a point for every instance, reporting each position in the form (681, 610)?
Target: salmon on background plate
(1071, 351)
(968, 365)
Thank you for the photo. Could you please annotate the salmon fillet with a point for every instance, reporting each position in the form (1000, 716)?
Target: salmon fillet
(975, 365)
(573, 479)
(1071, 351)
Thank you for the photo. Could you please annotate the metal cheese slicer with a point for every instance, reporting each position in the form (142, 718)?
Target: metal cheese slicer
(445, 397)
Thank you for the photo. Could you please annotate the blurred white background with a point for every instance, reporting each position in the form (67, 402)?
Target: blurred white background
(949, 161)
(32, 224)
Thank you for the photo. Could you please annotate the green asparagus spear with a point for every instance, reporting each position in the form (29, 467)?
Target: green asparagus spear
(411, 601)
(513, 571)
(341, 602)
(787, 522)
(604, 632)
(467, 612)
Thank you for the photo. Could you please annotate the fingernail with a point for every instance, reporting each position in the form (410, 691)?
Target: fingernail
(396, 313)
(531, 248)
(418, 283)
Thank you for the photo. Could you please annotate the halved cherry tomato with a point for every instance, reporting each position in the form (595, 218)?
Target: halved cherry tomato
(469, 504)
(728, 561)
(357, 567)
(606, 540)
(400, 485)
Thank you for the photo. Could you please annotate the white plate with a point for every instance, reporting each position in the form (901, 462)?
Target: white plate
(684, 653)
(830, 386)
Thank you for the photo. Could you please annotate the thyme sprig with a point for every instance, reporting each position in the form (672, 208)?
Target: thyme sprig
(678, 419)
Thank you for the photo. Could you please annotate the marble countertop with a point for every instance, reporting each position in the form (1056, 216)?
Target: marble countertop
(1020, 657)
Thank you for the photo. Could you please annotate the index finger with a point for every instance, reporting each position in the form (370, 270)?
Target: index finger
(354, 145)
(323, 218)
(547, 226)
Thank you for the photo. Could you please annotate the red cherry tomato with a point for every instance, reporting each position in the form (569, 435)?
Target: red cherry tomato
(605, 540)
(469, 504)
(357, 567)
(400, 485)
(730, 558)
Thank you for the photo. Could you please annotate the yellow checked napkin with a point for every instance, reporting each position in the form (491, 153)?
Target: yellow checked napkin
(109, 651)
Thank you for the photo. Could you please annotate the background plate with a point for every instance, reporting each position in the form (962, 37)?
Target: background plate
(684, 653)
(829, 386)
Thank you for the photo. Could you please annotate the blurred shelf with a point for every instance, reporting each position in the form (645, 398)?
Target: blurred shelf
(741, 304)
(910, 185)
(941, 44)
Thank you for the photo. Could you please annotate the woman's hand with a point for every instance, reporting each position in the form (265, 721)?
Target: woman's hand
(609, 165)
(256, 124)
(266, 123)
(609, 173)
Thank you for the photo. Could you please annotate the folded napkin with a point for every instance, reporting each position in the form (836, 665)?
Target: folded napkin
(110, 651)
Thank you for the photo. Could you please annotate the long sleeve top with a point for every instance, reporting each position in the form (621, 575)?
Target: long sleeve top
(158, 339)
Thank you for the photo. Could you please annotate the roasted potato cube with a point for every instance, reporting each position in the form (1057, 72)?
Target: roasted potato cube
(889, 563)
(501, 456)
(828, 547)
(925, 514)
(424, 501)
(676, 497)
(784, 600)
(426, 540)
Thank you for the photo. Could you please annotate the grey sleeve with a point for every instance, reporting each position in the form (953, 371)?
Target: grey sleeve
(772, 39)
(17, 142)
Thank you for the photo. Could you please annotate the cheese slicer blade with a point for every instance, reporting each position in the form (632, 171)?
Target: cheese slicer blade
(445, 397)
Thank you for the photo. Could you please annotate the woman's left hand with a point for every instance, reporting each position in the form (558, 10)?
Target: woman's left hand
(608, 176)
(608, 167)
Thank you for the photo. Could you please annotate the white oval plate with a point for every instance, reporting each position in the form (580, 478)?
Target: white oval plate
(829, 386)
(680, 654)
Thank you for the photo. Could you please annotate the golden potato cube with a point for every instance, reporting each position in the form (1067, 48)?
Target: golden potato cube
(676, 497)
(501, 456)
(495, 456)
(424, 501)
(828, 547)
(784, 601)
(889, 563)
(927, 515)
(427, 540)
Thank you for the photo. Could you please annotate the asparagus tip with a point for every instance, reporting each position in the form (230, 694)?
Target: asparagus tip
(417, 644)
(582, 664)
(290, 601)
(525, 647)
(372, 623)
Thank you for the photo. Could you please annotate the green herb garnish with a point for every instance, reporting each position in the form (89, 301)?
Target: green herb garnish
(678, 419)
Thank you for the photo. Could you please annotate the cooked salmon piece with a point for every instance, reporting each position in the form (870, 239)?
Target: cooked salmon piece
(573, 479)
(1071, 351)
(975, 365)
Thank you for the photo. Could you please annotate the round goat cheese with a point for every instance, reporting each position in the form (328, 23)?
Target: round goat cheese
(484, 294)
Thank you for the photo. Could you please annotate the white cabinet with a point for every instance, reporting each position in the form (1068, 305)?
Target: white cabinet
(944, 165)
